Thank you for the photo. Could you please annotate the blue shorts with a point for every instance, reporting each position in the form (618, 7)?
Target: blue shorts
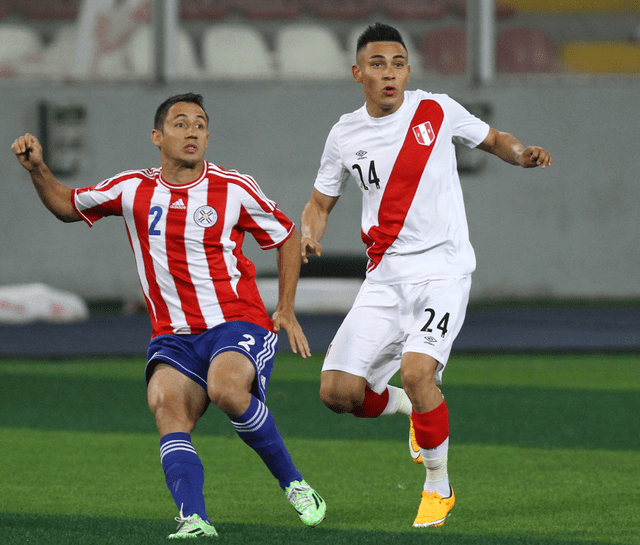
(192, 354)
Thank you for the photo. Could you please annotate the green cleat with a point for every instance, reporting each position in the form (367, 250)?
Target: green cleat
(193, 526)
(307, 502)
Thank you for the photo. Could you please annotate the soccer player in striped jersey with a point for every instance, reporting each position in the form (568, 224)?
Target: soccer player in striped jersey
(212, 339)
(399, 150)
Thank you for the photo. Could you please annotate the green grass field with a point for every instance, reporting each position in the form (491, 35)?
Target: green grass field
(545, 449)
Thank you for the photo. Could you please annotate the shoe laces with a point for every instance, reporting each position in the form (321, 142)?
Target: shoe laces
(181, 519)
(298, 494)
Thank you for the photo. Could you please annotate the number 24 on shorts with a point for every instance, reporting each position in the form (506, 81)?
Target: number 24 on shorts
(442, 324)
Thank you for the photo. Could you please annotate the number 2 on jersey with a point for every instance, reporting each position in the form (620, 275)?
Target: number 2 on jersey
(442, 324)
(373, 177)
(157, 212)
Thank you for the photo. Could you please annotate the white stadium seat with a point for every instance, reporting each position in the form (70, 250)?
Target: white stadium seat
(309, 51)
(236, 52)
(135, 58)
(18, 42)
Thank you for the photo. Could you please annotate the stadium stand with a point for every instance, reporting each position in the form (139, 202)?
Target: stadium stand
(58, 56)
(444, 50)
(134, 59)
(268, 10)
(523, 49)
(310, 51)
(245, 54)
(414, 9)
(341, 10)
(539, 6)
(46, 9)
(601, 57)
(534, 36)
(208, 10)
(459, 8)
(19, 45)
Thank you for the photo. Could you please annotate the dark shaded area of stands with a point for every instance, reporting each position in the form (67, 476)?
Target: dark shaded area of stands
(539, 328)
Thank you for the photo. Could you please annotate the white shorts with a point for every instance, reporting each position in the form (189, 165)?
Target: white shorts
(388, 320)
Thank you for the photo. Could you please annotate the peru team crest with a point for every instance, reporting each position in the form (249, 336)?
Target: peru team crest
(424, 134)
(206, 216)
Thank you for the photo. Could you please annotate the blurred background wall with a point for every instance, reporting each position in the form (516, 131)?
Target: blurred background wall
(566, 79)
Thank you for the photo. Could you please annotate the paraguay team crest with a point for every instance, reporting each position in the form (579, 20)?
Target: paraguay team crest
(206, 216)
(424, 134)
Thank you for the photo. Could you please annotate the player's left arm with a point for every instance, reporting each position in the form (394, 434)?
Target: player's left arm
(511, 150)
(288, 274)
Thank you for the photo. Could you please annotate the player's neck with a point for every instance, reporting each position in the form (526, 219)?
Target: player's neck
(377, 111)
(182, 173)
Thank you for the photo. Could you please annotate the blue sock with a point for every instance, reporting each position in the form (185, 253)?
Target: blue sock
(184, 473)
(257, 429)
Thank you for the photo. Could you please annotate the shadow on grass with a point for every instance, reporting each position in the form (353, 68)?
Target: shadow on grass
(19, 529)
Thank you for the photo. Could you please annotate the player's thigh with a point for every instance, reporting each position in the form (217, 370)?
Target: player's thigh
(231, 381)
(433, 316)
(175, 399)
(368, 343)
(238, 351)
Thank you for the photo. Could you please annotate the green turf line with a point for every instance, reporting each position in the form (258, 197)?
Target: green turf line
(523, 416)
(620, 372)
(505, 494)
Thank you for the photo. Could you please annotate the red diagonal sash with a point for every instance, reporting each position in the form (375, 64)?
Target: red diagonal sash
(402, 184)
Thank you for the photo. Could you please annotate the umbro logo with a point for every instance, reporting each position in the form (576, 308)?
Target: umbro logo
(361, 154)
(179, 204)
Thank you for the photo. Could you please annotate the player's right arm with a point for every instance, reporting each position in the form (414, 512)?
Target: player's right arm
(314, 223)
(54, 195)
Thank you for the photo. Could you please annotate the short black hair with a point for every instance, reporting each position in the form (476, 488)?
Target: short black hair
(379, 32)
(163, 109)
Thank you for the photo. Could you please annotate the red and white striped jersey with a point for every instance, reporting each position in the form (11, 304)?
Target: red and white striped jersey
(413, 217)
(187, 241)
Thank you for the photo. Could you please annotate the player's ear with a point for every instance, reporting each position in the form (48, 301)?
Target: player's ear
(357, 74)
(156, 137)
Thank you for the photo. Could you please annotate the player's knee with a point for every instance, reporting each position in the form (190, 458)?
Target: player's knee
(227, 399)
(412, 378)
(172, 417)
(218, 396)
(339, 401)
(172, 410)
(417, 375)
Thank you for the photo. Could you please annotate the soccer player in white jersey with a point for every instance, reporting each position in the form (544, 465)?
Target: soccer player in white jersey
(212, 340)
(399, 150)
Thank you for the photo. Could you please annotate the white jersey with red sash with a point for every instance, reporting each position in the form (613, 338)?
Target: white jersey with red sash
(413, 217)
(187, 241)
